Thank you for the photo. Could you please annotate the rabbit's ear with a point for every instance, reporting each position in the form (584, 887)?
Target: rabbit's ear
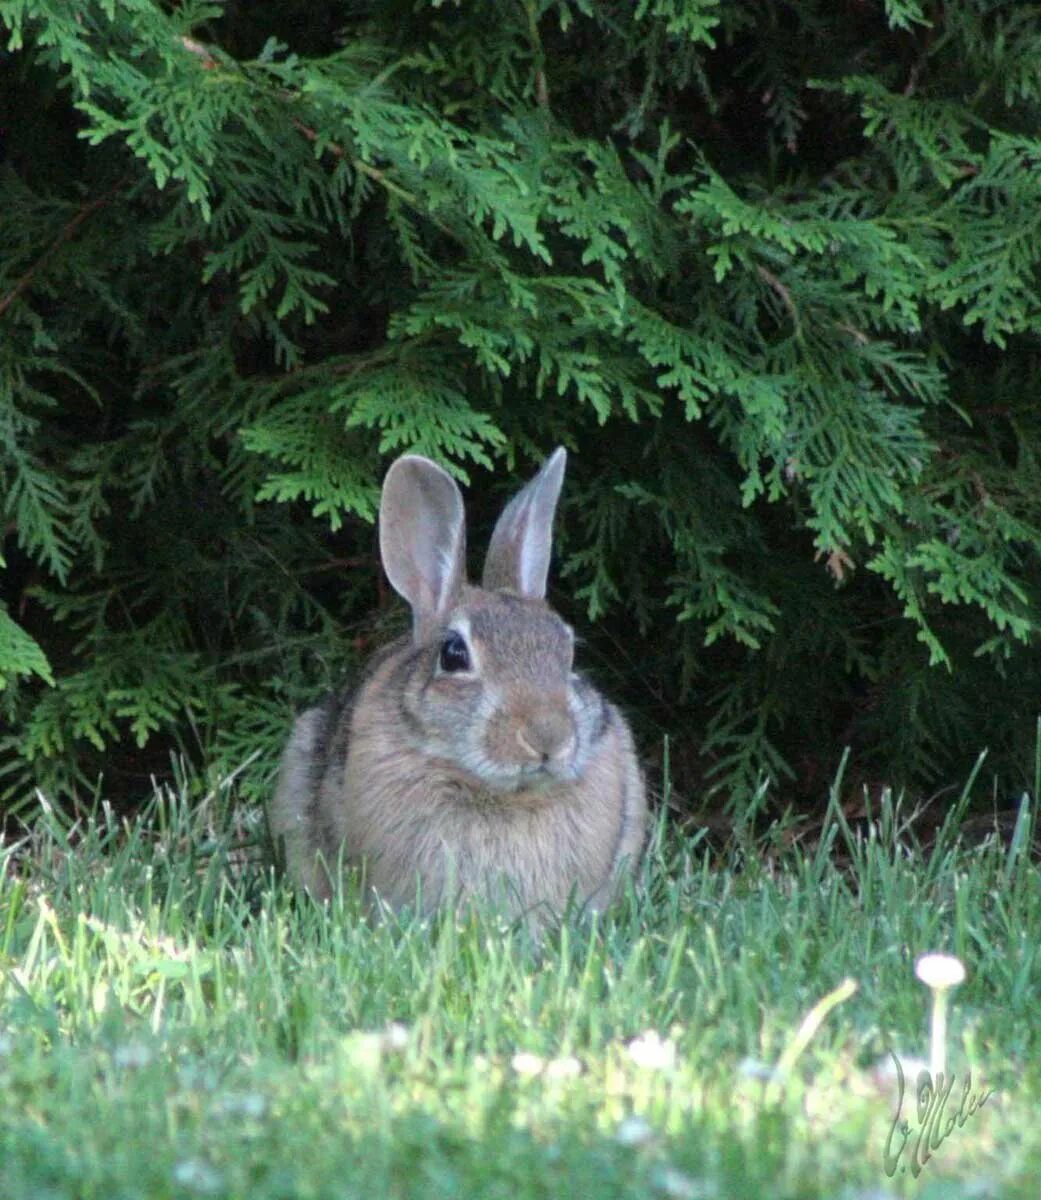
(518, 556)
(423, 539)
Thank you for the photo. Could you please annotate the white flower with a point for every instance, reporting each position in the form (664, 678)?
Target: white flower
(198, 1176)
(527, 1064)
(633, 1131)
(196, 1078)
(884, 1070)
(674, 1182)
(132, 1055)
(563, 1068)
(365, 1049)
(395, 1036)
(649, 1051)
(754, 1068)
(242, 1104)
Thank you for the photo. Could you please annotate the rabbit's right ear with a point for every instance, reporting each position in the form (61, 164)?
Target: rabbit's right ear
(518, 555)
(423, 539)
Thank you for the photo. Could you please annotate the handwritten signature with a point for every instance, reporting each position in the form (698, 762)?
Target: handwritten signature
(933, 1130)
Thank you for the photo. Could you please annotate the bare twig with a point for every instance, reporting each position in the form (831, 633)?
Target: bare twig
(209, 63)
(67, 232)
(769, 278)
(541, 82)
(373, 173)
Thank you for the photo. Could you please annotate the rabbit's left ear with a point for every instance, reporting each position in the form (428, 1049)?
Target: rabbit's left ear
(423, 539)
(518, 556)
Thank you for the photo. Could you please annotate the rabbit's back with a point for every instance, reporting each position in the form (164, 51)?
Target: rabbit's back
(296, 821)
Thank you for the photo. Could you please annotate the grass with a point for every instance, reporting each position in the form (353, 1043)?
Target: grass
(173, 1022)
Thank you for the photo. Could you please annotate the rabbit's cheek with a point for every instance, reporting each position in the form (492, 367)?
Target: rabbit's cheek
(440, 711)
(448, 699)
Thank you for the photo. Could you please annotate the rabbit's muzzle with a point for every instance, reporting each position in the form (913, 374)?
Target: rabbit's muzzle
(546, 739)
(536, 737)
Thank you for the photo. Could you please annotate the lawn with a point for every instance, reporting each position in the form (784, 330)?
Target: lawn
(174, 1022)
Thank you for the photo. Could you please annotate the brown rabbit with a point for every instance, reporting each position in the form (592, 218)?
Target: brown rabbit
(471, 759)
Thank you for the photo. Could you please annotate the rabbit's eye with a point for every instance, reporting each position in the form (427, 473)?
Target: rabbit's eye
(454, 654)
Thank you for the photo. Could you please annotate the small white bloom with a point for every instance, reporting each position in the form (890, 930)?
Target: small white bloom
(633, 1131)
(395, 1036)
(198, 1176)
(196, 1078)
(940, 970)
(754, 1068)
(674, 1182)
(132, 1056)
(884, 1070)
(527, 1064)
(651, 1052)
(242, 1104)
(567, 1067)
(364, 1048)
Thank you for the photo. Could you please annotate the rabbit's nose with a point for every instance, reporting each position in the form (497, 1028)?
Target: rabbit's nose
(546, 736)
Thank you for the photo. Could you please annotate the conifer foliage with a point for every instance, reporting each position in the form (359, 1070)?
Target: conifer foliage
(771, 270)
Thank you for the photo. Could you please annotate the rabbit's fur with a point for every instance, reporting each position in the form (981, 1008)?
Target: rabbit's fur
(471, 759)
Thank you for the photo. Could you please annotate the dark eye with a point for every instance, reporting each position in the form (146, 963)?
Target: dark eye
(454, 654)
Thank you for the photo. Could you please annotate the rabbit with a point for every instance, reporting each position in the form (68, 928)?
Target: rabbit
(471, 759)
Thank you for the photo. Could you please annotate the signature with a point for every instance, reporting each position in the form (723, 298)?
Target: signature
(932, 1130)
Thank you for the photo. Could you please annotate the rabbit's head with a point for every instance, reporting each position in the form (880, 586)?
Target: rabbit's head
(487, 688)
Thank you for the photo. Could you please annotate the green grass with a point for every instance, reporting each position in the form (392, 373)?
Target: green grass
(173, 1022)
